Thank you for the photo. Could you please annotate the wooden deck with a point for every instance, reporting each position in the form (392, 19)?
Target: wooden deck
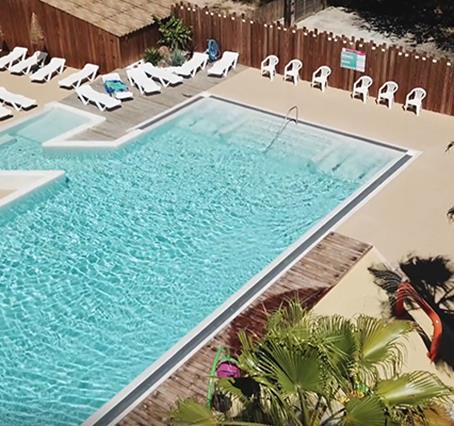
(142, 107)
(310, 278)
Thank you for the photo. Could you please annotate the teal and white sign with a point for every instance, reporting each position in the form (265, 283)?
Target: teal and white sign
(353, 59)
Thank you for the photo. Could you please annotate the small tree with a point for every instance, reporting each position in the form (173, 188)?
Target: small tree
(37, 37)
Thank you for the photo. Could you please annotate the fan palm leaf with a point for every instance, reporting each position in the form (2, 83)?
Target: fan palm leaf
(363, 411)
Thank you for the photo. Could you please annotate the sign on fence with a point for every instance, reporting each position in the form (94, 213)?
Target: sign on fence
(353, 59)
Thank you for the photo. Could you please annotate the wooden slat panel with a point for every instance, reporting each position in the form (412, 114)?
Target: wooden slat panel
(383, 63)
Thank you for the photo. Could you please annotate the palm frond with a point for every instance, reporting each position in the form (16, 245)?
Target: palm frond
(189, 412)
(413, 389)
(363, 411)
(380, 345)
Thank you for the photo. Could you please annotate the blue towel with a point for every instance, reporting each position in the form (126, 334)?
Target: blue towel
(113, 86)
(213, 50)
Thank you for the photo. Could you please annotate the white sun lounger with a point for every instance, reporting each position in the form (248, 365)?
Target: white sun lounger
(164, 76)
(18, 102)
(122, 96)
(189, 68)
(88, 72)
(56, 65)
(17, 54)
(221, 68)
(87, 94)
(5, 113)
(146, 85)
(26, 65)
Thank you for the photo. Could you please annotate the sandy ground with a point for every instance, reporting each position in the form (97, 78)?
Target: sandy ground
(226, 6)
(4, 193)
(359, 295)
(340, 22)
(41, 92)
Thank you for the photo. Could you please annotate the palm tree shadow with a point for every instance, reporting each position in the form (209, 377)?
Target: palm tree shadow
(433, 279)
(254, 319)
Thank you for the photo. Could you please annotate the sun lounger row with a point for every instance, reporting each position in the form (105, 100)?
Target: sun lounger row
(16, 62)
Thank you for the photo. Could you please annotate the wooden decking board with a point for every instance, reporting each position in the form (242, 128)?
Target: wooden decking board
(141, 108)
(313, 275)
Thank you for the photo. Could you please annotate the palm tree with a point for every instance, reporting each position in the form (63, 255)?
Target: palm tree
(311, 370)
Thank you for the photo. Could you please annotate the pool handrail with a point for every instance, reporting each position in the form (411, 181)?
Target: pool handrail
(406, 290)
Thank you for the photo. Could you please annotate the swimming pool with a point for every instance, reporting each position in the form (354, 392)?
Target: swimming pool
(105, 271)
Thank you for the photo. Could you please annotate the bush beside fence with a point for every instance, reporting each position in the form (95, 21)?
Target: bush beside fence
(254, 41)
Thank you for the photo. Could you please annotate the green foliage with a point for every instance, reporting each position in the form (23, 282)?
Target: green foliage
(177, 58)
(174, 34)
(313, 370)
(152, 55)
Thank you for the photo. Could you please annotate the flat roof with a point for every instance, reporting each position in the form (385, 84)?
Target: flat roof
(118, 17)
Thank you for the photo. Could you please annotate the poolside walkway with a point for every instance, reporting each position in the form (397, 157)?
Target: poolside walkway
(310, 278)
(142, 107)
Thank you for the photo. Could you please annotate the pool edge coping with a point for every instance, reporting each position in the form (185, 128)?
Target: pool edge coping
(145, 383)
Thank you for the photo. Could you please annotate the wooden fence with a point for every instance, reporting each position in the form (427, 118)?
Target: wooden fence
(254, 41)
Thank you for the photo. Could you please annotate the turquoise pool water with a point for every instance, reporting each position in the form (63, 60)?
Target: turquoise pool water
(104, 271)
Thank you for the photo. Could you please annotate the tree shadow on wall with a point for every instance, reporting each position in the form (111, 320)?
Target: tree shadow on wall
(433, 279)
(254, 319)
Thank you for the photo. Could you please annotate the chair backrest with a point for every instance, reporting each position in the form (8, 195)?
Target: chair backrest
(111, 76)
(363, 81)
(58, 62)
(389, 87)
(229, 56)
(89, 68)
(418, 93)
(19, 50)
(294, 64)
(271, 60)
(324, 71)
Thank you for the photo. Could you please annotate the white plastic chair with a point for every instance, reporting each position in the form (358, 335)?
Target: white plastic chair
(163, 75)
(5, 113)
(320, 77)
(292, 70)
(361, 87)
(414, 99)
(268, 66)
(386, 93)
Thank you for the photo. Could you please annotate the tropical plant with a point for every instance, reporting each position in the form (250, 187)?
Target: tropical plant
(177, 58)
(313, 370)
(152, 55)
(174, 33)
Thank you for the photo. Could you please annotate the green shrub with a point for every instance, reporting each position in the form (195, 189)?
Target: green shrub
(152, 55)
(177, 58)
(174, 33)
